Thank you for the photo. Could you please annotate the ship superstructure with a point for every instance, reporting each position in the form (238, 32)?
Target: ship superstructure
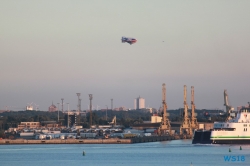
(235, 130)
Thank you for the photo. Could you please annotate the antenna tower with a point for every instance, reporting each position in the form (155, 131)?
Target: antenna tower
(62, 103)
(111, 104)
(90, 109)
(58, 112)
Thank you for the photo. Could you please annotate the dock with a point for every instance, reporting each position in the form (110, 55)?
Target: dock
(90, 141)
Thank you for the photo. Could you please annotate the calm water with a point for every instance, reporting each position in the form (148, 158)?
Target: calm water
(172, 153)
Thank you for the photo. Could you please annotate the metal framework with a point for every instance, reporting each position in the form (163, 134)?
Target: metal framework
(186, 121)
(165, 123)
(194, 123)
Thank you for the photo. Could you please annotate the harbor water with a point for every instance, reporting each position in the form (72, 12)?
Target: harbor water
(172, 153)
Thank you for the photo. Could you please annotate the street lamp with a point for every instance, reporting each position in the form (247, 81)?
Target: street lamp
(68, 115)
(58, 112)
(106, 113)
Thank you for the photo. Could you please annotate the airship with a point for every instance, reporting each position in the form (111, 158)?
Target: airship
(129, 40)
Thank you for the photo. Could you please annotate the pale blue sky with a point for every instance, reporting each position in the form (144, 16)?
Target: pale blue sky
(53, 49)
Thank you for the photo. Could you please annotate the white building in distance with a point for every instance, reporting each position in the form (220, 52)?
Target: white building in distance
(29, 108)
(139, 103)
(156, 119)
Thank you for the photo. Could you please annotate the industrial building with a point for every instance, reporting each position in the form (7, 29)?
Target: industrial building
(156, 119)
(71, 118)
(29, 125)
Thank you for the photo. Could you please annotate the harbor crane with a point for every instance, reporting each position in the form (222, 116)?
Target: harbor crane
(186, 121)
(165, 123)
(229, 108)
(113, 123)
(194, 123)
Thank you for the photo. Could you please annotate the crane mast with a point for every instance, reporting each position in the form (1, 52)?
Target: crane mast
(165, 123)
(194, 123)
(186, 121)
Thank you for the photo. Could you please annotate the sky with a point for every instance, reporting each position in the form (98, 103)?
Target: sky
(54, 49)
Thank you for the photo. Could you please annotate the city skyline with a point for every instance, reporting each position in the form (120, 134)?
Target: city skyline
(54, 49)
(66, 106)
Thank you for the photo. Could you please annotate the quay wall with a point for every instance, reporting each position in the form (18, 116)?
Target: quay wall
(91, 141)
(66, 141)
(153, 139)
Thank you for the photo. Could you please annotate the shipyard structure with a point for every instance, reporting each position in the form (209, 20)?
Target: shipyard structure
(72, 128)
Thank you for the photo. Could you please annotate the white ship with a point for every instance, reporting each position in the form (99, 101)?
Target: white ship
(234, 130)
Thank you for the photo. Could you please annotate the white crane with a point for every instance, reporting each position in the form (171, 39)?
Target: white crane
(229, 108)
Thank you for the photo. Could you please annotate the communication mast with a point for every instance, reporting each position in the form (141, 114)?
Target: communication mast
(79, 103)
(194, 123)
(111, 104)
(165, 123)
(62, 104)
(68, 116)
(186, 121)
(77, 115)
(58, 112)
(90, 110)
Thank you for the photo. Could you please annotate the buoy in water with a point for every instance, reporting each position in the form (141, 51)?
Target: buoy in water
(83, 153)
(240, 148)
(229, 150)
